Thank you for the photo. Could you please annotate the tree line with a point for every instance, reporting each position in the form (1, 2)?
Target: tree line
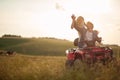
(11, 36)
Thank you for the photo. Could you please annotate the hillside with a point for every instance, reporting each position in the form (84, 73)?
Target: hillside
(36, 46)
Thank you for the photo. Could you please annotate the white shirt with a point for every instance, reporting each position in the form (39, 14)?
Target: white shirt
(89, 36)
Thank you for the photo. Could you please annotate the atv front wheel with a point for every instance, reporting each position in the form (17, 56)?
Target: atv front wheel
(69, 63)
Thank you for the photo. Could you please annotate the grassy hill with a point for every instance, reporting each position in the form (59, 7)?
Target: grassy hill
(41, 46)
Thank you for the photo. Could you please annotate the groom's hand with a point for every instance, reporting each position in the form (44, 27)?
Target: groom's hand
(73, 17)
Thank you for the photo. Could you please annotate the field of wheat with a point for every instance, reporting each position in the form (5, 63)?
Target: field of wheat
(26, 67)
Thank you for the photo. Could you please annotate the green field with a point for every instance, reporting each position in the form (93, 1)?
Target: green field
(39, 46)
(44, 59)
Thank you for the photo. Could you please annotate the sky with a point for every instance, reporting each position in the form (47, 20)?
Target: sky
(52, 18)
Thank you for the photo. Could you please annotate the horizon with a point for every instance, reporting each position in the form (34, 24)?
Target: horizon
(19, 36)
(44, 18)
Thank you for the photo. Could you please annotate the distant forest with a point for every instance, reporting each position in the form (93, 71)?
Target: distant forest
(11, 36)
(19, 36)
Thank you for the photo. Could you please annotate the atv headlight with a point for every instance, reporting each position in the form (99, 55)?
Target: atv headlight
(67, 51)
(71, 50)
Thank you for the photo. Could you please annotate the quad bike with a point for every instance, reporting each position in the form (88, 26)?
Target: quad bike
(89, 55)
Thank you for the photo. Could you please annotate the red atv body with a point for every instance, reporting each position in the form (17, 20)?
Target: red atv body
(89, 55)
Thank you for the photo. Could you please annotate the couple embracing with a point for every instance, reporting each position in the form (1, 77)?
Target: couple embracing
(87, 36)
